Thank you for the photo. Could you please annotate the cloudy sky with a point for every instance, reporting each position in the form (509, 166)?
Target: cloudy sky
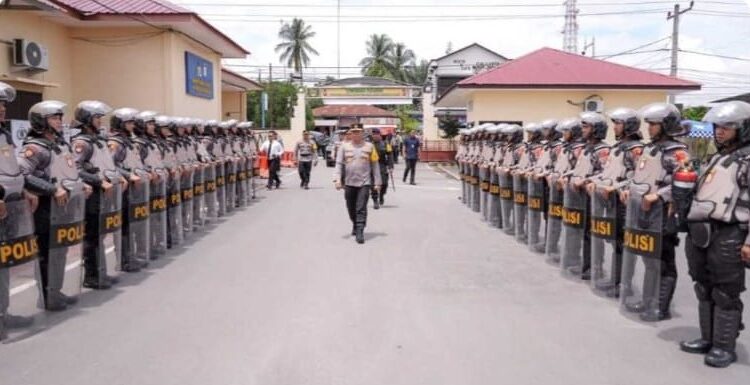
(716, 33)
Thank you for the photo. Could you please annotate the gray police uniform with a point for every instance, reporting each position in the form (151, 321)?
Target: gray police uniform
(358, 169)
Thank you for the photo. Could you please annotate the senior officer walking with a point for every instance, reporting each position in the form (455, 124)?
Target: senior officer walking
(357, 170)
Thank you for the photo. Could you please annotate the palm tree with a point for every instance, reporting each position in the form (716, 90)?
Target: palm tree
(417, 74)
(295, 47)
(401, 57)
(379, 49)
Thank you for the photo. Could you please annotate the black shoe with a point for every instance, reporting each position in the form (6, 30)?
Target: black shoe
(604, 285)
(654, 315)
(307, 187)
(635, 307)
(16, 321)
(112, 280)
(725, 332)
(719, 358)
(375, 205)
(575, 270)
(412, 183)
(96, 284)
(698, 346)
(382, 201)
(55, 301)
(360, 236)
(132, 267)
(354, 231)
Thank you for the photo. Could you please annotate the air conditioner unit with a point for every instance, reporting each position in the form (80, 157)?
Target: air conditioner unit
(592, 105)
(30, 54)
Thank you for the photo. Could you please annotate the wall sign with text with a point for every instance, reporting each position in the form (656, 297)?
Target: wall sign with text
(199, 76)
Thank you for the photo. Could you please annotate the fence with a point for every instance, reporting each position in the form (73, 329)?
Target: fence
(438, 151)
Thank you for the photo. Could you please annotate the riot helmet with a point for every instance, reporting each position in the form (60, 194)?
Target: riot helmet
(572, 125)
(38, 114)
(597, 122)
(120, 117)
(533, 132)
(87, 112)
(630, 120)
(142, 119)
(7, 93)
(549, 129)
(514, 133)
(668, 116)
(734, 115)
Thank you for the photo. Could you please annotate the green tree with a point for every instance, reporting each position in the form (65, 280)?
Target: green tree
(295, 47)
(450, 126)
(310, 105)
(408, 123)
(378, 59)
(417, 74)
(694, 113)
(282, 97)
(401, 59)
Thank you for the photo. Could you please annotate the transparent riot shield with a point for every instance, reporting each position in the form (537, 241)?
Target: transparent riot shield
(574, 225)
(536, 218)
(605, 253)
(209, 198)
(174, 211)
(520, 205)
(186, 189)
(484, 192)
(110, 217)
(158, 214)
(241, 181)
(464, 183)
(139, 215)
(506, 202)
(475, 188)
(20, 290)
(199, 190)
(62, 266)
(250, 180)
(221, 189)
(554, 220)
(230, 171)
(494, 199)
(642, 243)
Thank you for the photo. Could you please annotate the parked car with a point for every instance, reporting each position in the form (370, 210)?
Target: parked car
(333, 145)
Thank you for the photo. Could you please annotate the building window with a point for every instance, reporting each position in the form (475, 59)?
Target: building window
(19, 109)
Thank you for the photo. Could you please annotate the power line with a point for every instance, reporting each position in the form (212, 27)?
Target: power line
(631, 50)
(715, 55)
(422, 5)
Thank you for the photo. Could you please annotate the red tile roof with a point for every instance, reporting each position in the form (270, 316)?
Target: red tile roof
(551, 68)
(352, 110)
(154, 7)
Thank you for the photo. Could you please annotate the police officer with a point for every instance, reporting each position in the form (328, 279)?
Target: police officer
(652, 183)
(357, 170)
(121, 125)
(306, 153)
(145, 141)
(90, 149)
(718, 240)
(13, 210)
(615, 176)
(50, 173)
(542, 167)
(385, 158)
(460, 155)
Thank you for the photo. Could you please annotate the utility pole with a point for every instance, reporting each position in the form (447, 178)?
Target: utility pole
(675, 17)
(570, 30)
(270, 104)
(338, 38)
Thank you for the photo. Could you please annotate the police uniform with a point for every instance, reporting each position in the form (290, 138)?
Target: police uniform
(358, 170)
(306, 153)
(718, 228)
(385, 159)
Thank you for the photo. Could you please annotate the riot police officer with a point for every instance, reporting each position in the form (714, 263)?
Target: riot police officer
(16, 226)
(50, 171)
(128, 162)
(103, 208)
(151, 156)
(718, 241)
(538, 188)
(460, 159)
(608, 213)
(651, 228)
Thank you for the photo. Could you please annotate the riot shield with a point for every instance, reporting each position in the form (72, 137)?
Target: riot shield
(209, 198)
(230, 172)
(158, 214)
(221, 189)
(475, 189)
(139, 214)
(464, 183)
(605, 253)
(574, 225)
(199, 190)
(484, 190)
(642, 243)
(537, 221)
(241, 181)
(20, 290)
(110, 216)
(494, 200)
(554, 220)
(520, 205)
(505, 181)
(186, 189)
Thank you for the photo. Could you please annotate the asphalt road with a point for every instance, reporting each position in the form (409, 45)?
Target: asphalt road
(280, 294)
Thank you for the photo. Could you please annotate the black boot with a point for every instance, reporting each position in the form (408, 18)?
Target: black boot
(16, 321)
(375, 203)
(661, 312)
(92, 282)
(360, 234)
(55, 301)
(726, 330)
(705, 319)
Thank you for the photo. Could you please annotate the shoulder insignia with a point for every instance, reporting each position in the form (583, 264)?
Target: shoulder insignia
(28, 152)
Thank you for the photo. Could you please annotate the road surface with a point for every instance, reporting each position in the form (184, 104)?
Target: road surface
(280, 294)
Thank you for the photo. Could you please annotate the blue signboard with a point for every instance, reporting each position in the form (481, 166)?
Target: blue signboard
(199, 76)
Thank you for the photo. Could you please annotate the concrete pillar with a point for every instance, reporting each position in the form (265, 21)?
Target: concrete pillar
(429, 121)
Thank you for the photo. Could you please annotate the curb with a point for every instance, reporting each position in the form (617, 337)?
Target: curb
(448, 172)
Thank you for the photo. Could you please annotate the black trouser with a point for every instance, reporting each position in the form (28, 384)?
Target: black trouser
(396, 150)
(411, 165)
(718, 267)
(274, 164)
(380, 195)
(92, 240)
(356, 204)
(304, 169)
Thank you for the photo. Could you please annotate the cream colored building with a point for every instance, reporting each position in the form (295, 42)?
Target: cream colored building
(138, 54)
(548, 83)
